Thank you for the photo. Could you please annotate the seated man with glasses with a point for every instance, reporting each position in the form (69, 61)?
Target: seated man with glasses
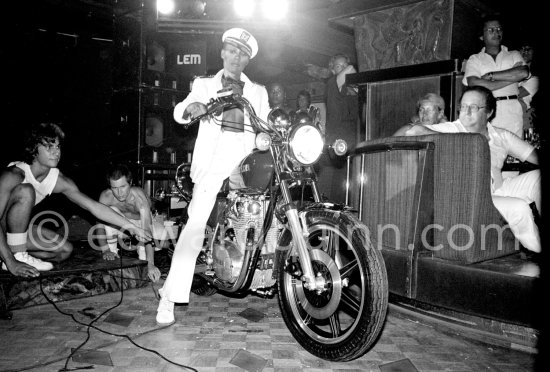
(429, 110)
(511, 196)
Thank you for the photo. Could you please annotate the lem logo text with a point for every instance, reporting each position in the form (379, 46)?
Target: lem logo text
(189, 59)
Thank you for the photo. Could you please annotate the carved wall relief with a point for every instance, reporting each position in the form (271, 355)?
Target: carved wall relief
(405, 35)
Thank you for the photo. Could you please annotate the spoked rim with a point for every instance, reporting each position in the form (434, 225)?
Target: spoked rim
(329, 315)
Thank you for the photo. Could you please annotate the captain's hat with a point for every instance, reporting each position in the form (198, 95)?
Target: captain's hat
(242, 39)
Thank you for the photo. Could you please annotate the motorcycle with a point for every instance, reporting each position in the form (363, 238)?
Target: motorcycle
(264, 238)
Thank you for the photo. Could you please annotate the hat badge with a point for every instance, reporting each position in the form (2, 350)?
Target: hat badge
(245, 36)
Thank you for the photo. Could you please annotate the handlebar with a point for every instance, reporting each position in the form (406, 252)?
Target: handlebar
(228, 100)
(216, 105)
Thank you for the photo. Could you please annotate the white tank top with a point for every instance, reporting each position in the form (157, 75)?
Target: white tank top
(42, 189)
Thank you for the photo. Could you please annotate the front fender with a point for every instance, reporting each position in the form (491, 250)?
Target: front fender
(304, 211)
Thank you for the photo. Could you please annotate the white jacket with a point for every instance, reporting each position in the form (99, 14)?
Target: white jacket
(210, 132)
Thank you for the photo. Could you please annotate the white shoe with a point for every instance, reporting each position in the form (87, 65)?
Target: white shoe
(165, 311)
(33, 261)
(4, 267)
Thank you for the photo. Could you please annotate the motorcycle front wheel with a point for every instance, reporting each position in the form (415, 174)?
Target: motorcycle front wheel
(342, 321)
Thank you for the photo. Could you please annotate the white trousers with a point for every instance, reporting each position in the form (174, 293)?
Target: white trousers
(512, 200)
(509, 116)
(228, 155)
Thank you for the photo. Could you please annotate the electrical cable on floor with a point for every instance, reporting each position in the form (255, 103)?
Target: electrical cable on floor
(90, 325)
(52, 361)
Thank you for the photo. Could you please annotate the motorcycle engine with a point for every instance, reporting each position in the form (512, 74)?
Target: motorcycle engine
(244, 216)
(228, 260)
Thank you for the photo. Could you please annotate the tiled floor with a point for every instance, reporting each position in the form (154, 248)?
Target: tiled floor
(210, 335)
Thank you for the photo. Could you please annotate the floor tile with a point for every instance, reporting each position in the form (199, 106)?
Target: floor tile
(210, 331)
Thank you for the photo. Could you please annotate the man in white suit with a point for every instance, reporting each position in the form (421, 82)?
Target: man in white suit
(218, 150)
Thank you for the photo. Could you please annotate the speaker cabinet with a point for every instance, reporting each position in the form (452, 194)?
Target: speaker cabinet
(149, 134)
(152, 73)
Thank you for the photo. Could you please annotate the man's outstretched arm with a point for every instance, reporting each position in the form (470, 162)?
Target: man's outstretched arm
(67, 187)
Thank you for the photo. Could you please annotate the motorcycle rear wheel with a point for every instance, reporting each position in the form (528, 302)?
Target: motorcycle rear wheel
(344, 320)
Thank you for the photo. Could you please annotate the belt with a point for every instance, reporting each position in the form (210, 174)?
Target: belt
(506, 97)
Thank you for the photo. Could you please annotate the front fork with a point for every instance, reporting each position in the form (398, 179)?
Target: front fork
(299, 234)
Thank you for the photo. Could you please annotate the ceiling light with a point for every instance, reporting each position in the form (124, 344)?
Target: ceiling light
(243, 8)
(275, 9)
(165, 6)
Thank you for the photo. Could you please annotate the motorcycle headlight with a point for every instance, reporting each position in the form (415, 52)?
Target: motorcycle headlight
(305, 143)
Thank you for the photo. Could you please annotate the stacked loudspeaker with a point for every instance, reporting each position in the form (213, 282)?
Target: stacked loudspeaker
(153, 72)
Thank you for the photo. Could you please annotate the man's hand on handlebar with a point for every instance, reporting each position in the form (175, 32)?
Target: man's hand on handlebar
(194, 110)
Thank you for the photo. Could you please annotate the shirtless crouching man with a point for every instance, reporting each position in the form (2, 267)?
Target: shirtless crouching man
(131, 202)
(26, 249)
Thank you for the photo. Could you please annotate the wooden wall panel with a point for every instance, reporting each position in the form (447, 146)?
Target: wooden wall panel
(404, 35)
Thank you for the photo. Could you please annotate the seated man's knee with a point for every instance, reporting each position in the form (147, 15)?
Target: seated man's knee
(524, 210)
(519, 211)
(534, 183)
(509, 206)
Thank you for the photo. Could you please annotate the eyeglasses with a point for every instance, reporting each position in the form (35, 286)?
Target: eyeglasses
(492, 30)
(472, 108)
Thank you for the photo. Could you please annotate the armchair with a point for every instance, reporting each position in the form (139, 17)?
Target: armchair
(434, 191)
